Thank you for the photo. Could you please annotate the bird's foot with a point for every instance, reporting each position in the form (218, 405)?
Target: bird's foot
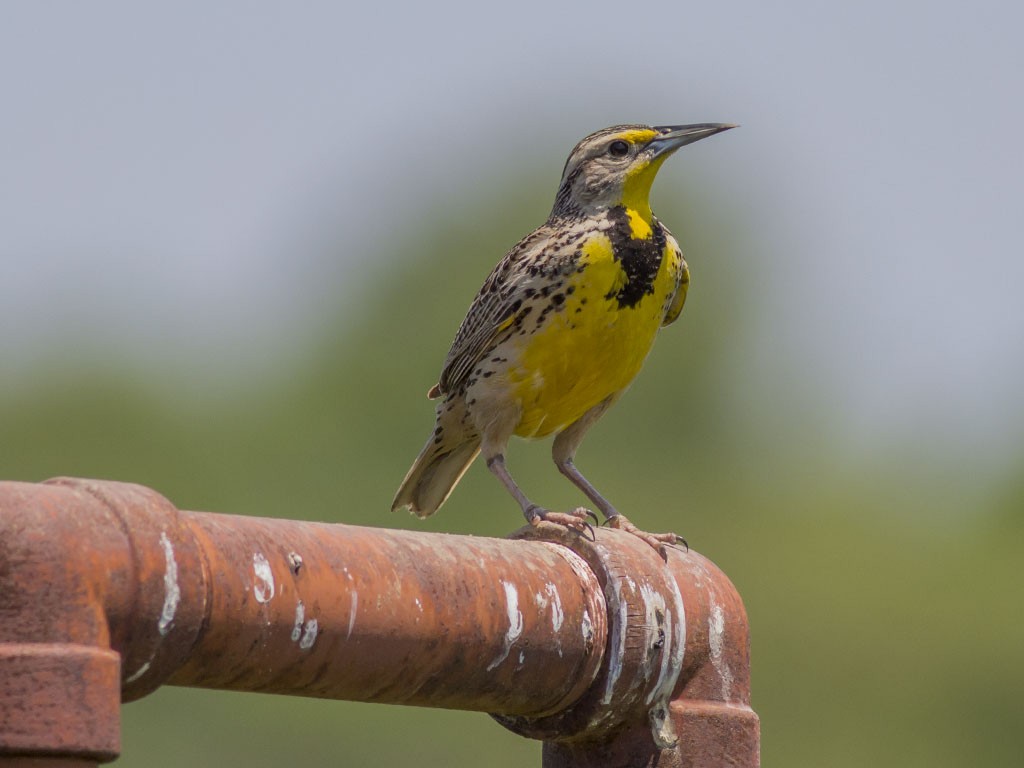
(575, 520)
(658, 541)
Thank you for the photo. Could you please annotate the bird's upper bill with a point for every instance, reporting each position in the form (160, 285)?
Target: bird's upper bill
(671, 137)
(658, 143)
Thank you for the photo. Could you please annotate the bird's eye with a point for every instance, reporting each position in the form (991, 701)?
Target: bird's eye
(618, 148)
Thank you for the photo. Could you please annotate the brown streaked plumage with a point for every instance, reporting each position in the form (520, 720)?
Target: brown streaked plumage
(561, 326)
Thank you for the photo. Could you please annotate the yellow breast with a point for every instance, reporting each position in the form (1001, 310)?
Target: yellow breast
(595, 345)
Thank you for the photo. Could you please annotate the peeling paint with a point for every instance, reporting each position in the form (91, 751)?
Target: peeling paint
(586, 576)
(300, 616)
(515, 623)
(309, 635)
(263, 585)
(678, 637)
(657, 627)
(352, 613)
(662, 621)
(550, 598)
(304, 632)
(557, 615)
(665, 625)
(172, 592)
(716, 640)
(617, 641)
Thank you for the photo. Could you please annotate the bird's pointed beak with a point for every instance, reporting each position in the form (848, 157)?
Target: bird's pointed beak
(672, 137)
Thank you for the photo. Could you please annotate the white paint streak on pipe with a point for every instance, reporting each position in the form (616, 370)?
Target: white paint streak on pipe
(665, 624)
(515, 623)
(716, 639)
(139, 673)
(657, 628)
(550, 598)
(309, 635)
(617, 642)
(678, 637)
(300, 616)
(172, 592)
(557, 614)
(263, 584)
(352, 613)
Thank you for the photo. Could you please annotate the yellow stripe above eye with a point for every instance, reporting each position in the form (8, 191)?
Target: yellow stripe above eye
(637, 135)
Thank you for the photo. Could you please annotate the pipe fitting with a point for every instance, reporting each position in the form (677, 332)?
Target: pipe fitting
(675, 686)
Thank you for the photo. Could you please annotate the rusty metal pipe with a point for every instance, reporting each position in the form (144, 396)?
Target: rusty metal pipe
(391, 616)
(107, 591)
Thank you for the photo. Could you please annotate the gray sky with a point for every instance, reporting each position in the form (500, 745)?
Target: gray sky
(165, 173)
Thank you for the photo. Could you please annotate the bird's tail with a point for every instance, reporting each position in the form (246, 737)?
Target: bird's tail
(433, 475)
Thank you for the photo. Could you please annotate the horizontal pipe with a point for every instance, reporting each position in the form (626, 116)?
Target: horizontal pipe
(594, 645)
(365, 614)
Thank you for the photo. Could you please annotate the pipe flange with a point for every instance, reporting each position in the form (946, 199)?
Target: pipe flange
(643, 656)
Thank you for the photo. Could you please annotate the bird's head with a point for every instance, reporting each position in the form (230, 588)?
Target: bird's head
(617, 165)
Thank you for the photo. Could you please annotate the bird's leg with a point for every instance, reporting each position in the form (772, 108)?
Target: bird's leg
(563, 452)
(615, 518)
(576, 520)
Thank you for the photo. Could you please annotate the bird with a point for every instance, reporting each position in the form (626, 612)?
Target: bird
(561, 327)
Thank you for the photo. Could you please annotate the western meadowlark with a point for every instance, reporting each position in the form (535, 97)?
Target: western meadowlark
(562, 326)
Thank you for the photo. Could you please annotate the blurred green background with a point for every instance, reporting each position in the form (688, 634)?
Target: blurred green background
(846, 444)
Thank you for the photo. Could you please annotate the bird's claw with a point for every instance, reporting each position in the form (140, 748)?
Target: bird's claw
(576, 520)
(589, 513)
(657, 541)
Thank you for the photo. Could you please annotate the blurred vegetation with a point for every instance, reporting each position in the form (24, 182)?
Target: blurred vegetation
(880, 637)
